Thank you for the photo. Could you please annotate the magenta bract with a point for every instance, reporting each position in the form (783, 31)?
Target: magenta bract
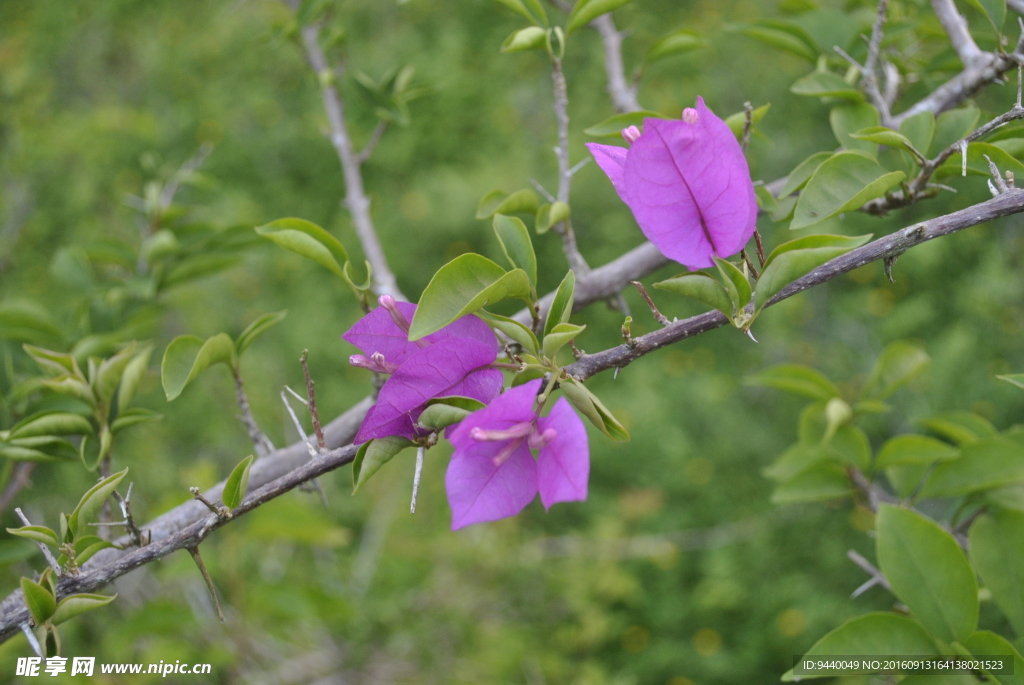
(445, 364)
(493, 475)
(688, 185)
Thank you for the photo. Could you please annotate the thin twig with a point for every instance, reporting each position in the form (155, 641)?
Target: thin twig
(877, 577)
(42, 545)
(260, 442)
(218, 511)
(371, 143)
(661, 318)
(622, 93)
(298, 425)
(311, 401)
(198, 558)
(564, 228)
(126, 510)
(870, 79)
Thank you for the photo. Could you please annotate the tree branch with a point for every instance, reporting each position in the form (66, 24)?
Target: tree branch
(959, 33)
(622, 93)
(572, 252)
(358, 204)
(259, 439)
(871, 65)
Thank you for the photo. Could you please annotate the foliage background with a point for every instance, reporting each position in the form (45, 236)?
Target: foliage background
(97, 99)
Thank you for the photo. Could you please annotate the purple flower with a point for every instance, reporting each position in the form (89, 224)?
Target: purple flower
(493, 475)
(447, 363)
(688, 185)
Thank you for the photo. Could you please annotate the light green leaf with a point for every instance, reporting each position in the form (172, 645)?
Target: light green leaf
(549, 215)
(108, 375)
(51, 423)
(783, 36)
(849, 444)
(519, 7)
(516, 244)
(530, 38)
(798, 379)
(258, 328)
(446, 411)
(826, 84)
(133, 374)
(997, 550)
(799, 457)
(799, 176)
(38, 533)
(237, 484)
(85, 552)
(883, 136)
(1014, 378)
(737, 121)
(462, 286)
(919, 130)
(879, 633)
(40, 602)
(590, 406)
(28, 324)
(797, 258)
(701, 287)
(851, 117)
(842, 183)
(928, 572)
(585, 11)
(561, 306)
(676, 43)
(513, 329)
(914, 449)
(498, 201)
(75, 605)
(133, 417)
(961, 427)
(994, 11)
(987, 643)
(737, 285)
(951, 126)
(92, 501)
(92, 450)
(987, 463)
(373, 455)
(613, 126)
(187, 356)
(766, 202)
(309, 240)
(53, 363)
(72, 386)
(898, 364)
(560, 336)
(820, 482)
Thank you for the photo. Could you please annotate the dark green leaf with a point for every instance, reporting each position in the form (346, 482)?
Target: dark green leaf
(883, 136)
(187, 356)
(75, 605)
(701, 287)
(851, 117)
(951, 126)
(462, 286)
(516, 244)
(928, 572)
(40, 602)
(797, 258)
(28, 324)
(799, 176)
(258, 328)
(309, 240)
(919, 130)
(994, 11)
(237, 484)
(987, 643)
(997, 550)
(843, 183)
(561, 305)
(987, 463)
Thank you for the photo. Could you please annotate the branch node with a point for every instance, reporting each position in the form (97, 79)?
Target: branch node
(221, 512)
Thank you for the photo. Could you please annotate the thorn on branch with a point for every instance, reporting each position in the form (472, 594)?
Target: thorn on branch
(32, 641)
(134, 533)
(661, 318)
(877, 577)
(194, 551)
(997, 178)
(576, 352)
(221, 512)
(888, 262)
(416, 478)
(311, 395)
(42, 546)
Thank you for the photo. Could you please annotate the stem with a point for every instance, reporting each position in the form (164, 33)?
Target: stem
(260, 442)
(572, 253)
(311, 396)
(198, 558)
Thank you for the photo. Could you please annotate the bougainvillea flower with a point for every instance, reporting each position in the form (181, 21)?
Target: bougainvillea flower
(493, 475)
(688, 185)
(448, 363)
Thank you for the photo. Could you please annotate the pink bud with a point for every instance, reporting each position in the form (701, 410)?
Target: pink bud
(376, 363)
(690, 115)
(631, 134)
(540, 440)
(388, 303)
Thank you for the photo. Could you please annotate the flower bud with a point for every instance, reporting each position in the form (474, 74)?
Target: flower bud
(631, 134)
(690, 115)
(540, 440)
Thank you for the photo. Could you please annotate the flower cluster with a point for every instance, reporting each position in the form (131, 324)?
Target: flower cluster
(688, 185)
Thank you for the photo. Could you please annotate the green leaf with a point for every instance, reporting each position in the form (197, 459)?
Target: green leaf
(133, 417)
(676, 43)
(86, 547)
(951, 126)
(28, 324)
(559, 337)
(38, 533)
(133, 374)
(462, 286)
(108, 375)
(737, 121)
(40, 602)
(590, 406)
(530, 38)
(258, 328)
(766, 202)
(799, 176)
(72, 386)
(898, 364)
(849, 444)
(613, 126)
(883, 136)
(187, 356)
(826, 84)
(988, 463)
(978, 155)
(797, 258)
(92, 501)
(914, 449)
(820, 482)
(994, 11)
(961, 427)
(849, 118)
(784, 37)
(585, 11)
(519, 7)
(987, 643)
(1015, 378)
(92, 450)
(879, 633)
(561, 306)
(799, 457)
(51, 423)
(842, 183)
(309, 240)
(53, 364)
(75, 605)
(701, 287)
(373, 455)
(549, 215)
(237, 483)
(919, 130)
(516, 244)
(445, 411)
(737, 285)
(997, 550)
(928, 572)
(513, 329)
(496, 201)
(798, 379)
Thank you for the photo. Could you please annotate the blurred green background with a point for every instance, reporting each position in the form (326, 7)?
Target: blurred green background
(98, 99)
